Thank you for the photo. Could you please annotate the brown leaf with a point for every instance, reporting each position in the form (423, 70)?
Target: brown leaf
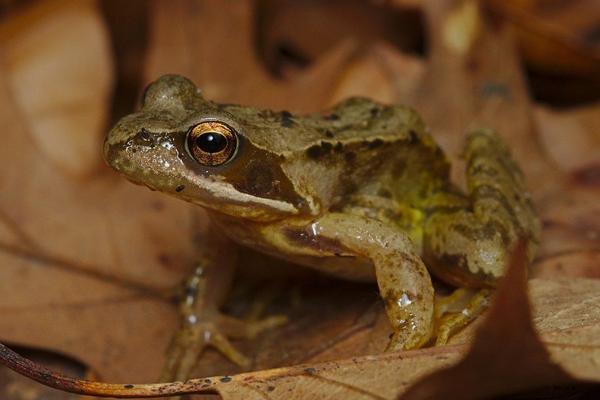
(74, 71)
(570, 214)
(570, 336)
(474, 79)
(383, 74)
(507, 339)
(571, 138)
(70, 280)
(578, 264)
(285, 49)
(569, 326)
(235, 74)
(99, 253)
(482, 85)
(558, 37)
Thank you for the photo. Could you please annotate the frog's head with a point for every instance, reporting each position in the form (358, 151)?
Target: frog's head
(202, 152)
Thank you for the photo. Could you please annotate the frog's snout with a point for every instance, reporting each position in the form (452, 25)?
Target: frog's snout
(106, 152)
(123, 142)
(112, 155)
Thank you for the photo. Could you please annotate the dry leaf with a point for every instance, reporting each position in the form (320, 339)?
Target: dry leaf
(571, 139)
(69, 240)
(570, 351)
(556, 36)
(235, 74)
(285, 49)
(40, 50)
(100, 253)
(505, 340)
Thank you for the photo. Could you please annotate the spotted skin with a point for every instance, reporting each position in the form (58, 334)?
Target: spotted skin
(468, 245)
(360, 191)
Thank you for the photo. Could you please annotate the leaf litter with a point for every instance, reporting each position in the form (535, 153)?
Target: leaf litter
(95, 299)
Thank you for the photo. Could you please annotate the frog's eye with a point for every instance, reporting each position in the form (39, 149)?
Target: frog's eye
(212, 143)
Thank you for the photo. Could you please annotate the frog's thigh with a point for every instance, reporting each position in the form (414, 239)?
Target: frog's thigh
(403, 280)
(469, 246)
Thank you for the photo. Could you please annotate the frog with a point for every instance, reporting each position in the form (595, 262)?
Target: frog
(360, 191)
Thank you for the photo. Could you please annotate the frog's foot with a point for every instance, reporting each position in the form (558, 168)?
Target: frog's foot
(406, 339)
(449, 322)
(191, 340)
(202, 326)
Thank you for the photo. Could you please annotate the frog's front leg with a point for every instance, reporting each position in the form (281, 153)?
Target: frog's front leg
(199, 327)
(403, 280)
(201, 323)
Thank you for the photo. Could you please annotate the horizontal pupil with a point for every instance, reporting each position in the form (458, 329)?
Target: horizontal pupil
(211, 142)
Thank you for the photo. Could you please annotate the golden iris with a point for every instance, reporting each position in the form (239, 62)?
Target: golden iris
(212, 143)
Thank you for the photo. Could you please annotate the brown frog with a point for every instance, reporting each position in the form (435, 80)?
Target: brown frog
(361, 191)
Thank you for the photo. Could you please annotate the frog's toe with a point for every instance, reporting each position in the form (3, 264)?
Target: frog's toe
(189, 343)
(448, 323)
(191, 340)
(406, 339)
(249, 329)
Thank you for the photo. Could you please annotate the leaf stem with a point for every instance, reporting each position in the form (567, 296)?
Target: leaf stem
(58, 381)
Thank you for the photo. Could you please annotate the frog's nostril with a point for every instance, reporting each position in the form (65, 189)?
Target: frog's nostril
(144, 138)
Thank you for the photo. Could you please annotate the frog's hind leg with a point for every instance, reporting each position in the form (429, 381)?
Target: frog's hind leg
(468, 244)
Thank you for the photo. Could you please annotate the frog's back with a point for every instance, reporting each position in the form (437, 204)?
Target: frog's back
(359, 118)
(354, 119)
(361, 146)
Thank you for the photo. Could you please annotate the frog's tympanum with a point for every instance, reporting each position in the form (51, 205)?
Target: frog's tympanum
(360, 191)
